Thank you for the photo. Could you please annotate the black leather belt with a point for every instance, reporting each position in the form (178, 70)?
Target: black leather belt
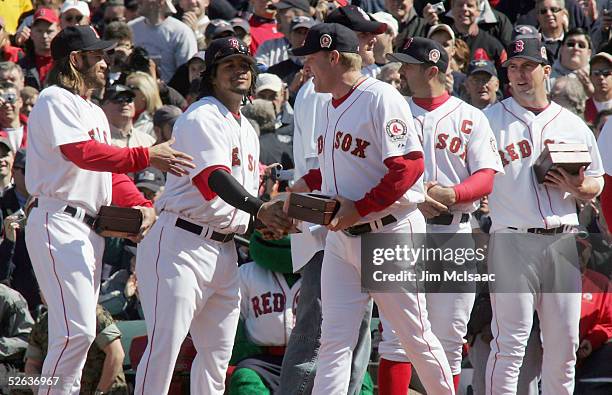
(367, 228)
(197, 229)
(89, 220)
(542, 231)
(447, 219)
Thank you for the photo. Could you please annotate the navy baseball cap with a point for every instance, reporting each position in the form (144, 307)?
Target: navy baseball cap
(217, 27)
(77, 38)
(117, 90)
(481, 66)
(526, 47)
(302, 21)
(328, 37)
(226, 47)
(150, 178)
(355, 19)
(303, 5)
(419, 50)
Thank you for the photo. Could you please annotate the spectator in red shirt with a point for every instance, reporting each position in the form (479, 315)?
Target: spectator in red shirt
(262, 23)
(600, 75)
(37, 62)
(7, 51)
(595, 350)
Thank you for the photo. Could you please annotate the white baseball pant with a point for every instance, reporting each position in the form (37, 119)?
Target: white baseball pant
(66, 255)
(343, 306)
(448, 313)
(187, 284)
(532, 262)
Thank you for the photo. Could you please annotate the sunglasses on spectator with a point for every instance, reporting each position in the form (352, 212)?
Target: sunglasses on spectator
(554, 10)
(601, 73)
(122, 100)
(75, 18)
(9, 98)
(574, 44)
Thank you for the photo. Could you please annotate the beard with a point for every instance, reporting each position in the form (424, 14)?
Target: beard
(90, 75)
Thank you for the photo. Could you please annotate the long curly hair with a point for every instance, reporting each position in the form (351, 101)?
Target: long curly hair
(208, 76)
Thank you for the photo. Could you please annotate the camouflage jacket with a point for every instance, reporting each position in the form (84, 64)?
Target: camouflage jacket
(106, 332)
(15, 324)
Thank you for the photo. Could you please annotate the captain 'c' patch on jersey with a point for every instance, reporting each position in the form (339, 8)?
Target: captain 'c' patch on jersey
(396, 129)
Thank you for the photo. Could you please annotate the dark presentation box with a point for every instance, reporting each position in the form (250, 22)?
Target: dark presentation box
(570, 157)
(118, 221)
(310, 207)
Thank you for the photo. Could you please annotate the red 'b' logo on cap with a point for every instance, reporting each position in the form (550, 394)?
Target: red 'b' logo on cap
(519, 46)
(234, 43)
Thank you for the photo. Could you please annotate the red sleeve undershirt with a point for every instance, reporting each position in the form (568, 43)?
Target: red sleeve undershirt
(125, 193)
(96, 156)
(313, 179)
(475, 187)
(404, 171)
(606, 200)
(201, 181)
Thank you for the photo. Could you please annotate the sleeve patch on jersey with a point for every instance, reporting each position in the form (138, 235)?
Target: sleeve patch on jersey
(493, 145)
(396, 129)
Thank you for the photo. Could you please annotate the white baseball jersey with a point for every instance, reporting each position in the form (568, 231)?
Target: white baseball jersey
(211, 135)
(518, 200)
(267, 305)
(604, 143)
(60, 117)
(372, 124)
(457, 141)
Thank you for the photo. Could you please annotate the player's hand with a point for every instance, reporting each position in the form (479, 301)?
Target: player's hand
(431, 208)
(574, 184)
(585, 349)
(346, 216)
(443, 195)
(167, 159)
(148, 219)
(276, 221)
(430, 15)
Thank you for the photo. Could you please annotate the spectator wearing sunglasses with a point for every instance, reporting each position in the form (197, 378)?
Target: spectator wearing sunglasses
(553, 20)
(13, 126)
(601, 78)
(573, 59)
(74, 13)
(118, 105)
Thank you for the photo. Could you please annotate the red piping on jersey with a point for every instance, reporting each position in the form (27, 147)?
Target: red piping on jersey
(496, 353)
(535, 187)
(284, 307)
(541, 149)
(59, 283)
(435, 134)
(150, 345)
(431, 103)
(421, 318)
(334, 131)
(336, 102)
